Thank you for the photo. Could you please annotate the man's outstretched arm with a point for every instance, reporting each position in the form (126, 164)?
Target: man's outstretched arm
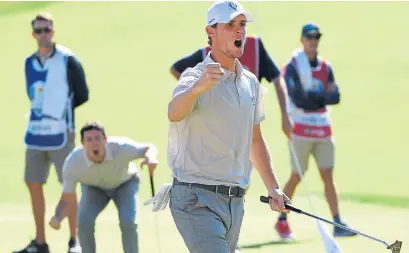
(260, 158)
(68, 200)
(66, 205)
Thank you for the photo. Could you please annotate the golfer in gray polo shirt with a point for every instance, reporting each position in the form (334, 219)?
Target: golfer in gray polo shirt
(215, 138)
(103, 166)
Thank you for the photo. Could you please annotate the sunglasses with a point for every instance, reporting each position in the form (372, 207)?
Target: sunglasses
(313, 36)
(42, 30)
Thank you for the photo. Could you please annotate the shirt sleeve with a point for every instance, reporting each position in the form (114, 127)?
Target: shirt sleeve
(268, 68)
(69, 177)
(259, 114)
(77, 81)
(134, 150)
(188, 61)
(185, 82)
(301, 98)
(294, 86)
(26, 64)
(331, 78)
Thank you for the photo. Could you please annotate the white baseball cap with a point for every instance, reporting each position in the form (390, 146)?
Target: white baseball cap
(225, 11)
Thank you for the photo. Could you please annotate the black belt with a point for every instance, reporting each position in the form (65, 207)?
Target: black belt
(231, 191)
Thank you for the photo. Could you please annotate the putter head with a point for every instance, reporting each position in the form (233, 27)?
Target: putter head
(395, 247)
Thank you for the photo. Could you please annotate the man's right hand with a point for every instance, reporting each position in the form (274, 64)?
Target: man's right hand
(278, 200)
(211, 76)
(287, 125)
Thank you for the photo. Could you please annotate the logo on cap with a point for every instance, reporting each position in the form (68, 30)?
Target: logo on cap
(233, 6)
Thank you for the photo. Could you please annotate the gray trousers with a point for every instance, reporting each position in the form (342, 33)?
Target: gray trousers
(209, 222)
(94, 200)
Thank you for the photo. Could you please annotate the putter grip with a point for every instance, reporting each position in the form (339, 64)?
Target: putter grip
(265, 199)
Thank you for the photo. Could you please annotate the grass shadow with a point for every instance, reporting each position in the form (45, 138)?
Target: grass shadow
(8, 8)
(269, 243)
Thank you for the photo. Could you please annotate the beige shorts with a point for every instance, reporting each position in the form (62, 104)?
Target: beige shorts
(38, 162)
(323, 152)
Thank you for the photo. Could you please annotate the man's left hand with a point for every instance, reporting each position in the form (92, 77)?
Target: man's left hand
(277, 200)
(151, 163)
(331, 87)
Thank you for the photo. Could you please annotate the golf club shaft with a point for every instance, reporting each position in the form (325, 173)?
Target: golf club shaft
(297, 210)
(152, 186)
(156, 219)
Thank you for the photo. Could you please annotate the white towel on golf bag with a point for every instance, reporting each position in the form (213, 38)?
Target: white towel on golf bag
(56, 90)
(303, 68)
(161, 199)
(331, 246)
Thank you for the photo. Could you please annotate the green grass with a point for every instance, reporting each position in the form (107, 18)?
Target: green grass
(10, 8)
(257, 235)
(377, 199)
(127, 49)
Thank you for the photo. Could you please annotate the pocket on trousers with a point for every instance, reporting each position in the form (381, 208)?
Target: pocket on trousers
(183, 198)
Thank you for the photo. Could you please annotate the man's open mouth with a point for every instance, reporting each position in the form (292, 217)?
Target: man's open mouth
(238, 43)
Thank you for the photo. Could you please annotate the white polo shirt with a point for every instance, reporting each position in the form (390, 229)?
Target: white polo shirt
(212, 145)
(111, 173)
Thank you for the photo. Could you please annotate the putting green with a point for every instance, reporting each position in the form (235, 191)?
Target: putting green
(127, 49)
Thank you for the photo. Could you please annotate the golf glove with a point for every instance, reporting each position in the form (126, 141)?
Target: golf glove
(161, 199)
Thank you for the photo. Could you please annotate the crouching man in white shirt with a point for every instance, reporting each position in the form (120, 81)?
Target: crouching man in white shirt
(103, 167)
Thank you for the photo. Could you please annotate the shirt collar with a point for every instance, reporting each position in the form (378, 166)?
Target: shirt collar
(108, 156)
(49, 55)
(227, 73)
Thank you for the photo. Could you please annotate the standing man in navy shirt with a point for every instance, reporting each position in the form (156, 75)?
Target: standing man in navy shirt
(256, 60)
(56, 85)
(311, 88)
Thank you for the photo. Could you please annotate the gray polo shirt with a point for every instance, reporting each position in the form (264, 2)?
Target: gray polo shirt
(212, 144)
(111, 173)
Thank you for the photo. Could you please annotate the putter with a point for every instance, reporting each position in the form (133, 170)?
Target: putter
(156, 218)
(395, 247)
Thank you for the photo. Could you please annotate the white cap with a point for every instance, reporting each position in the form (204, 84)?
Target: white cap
(225, 11)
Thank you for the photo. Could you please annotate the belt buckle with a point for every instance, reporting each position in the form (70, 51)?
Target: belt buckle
(230, 195)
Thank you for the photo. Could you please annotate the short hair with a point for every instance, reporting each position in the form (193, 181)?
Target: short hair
(43, 16)
(92, 125)
(209, 40)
